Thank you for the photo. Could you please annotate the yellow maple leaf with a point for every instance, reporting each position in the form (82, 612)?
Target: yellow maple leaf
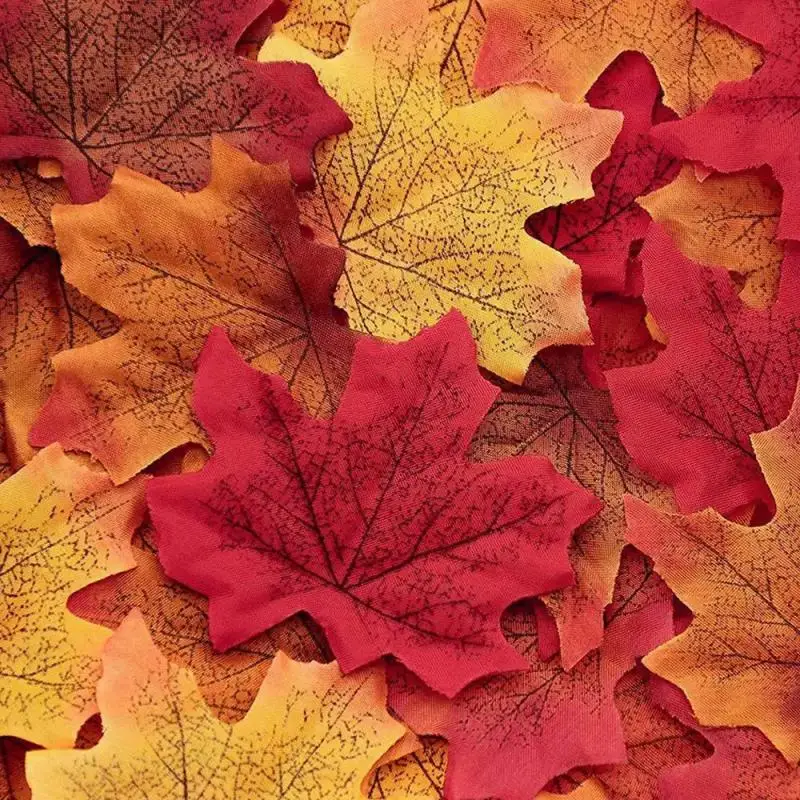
(323, 26)
(310, 734)
(63, 526)
(566, 44)
(171, 267)
(429, 201)
(727, 221)
(739, 659)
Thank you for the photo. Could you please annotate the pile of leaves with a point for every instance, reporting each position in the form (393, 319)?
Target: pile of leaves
(399, 399)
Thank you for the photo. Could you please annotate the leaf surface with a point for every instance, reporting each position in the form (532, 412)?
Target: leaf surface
(26, 200)
(429, 201)
(172, 266)
(311, 734)
(374, 522)
(63, 527)
(147, 85)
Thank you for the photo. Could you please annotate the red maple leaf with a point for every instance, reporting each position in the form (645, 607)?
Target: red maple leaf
(374, 522)
(598, 233)
(509, 735)
(756, 121)
(146, 85)
(727, 371)
(744, 763)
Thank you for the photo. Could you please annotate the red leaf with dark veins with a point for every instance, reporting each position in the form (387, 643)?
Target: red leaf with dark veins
(756, 121)
(374, 522)
(509, 735)
(597, 233)
(146, 85)
(727, 371)
(743, 766)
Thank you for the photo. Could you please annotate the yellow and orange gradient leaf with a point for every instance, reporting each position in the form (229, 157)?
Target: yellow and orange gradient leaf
(311, 734)
(429, 201)
(62, 526)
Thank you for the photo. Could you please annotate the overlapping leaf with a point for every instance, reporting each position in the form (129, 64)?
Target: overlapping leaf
(63, 527)
(429, 201)
(374, 522)
(727, 371)
(557, 413)
(146, 85)
(172, 266)
(599, 233)
(738, 659)
(310, 734)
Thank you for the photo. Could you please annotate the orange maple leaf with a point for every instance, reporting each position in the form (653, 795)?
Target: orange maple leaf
(738, 661)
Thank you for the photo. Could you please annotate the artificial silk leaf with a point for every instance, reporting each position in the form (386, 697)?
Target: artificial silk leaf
(557, 413)
(374, 523)
(752, 122)
(727, 371)
(63, 527)
(26, 200)
(171, 266)
(598, 233)
(738, 659)
(591, 789)
(565, 45)
(323, 27)
(310, 734)
(178, 622)
(654, 740)
(146, 85)
(509, 735)
(726, 220)
(429, 201)
(743, 765)
(39, 316)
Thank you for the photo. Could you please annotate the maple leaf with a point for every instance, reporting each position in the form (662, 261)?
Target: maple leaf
(565, 45)
(178, 622)
(558, 414)
(310, 734)
(324, 26)
(146, 85)
(752, 122)
(598, 233)
(26, 200)
(726, 220)
(63, 526)
(727, 371)
(738, 659)
(509, 735)
(374, 522)
(743, 765)
(429, 201)
(171, 266)
(39, 316)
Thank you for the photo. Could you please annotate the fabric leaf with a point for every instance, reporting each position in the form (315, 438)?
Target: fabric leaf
(737, 661)
(429, 201)
(726, 220)
(147, 85)
(565, 45)
(727, 371)
(374, 523)
(172, 266)
(311, 733)
(63, 527)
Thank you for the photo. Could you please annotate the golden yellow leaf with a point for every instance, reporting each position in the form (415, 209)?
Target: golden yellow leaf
(588, 790)
(310, 734)
(323, 27)
(566, 44)
(27, 198)
(738, 660)
(63, 526)
(172, 266)
(727, 221)
(429, 202)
